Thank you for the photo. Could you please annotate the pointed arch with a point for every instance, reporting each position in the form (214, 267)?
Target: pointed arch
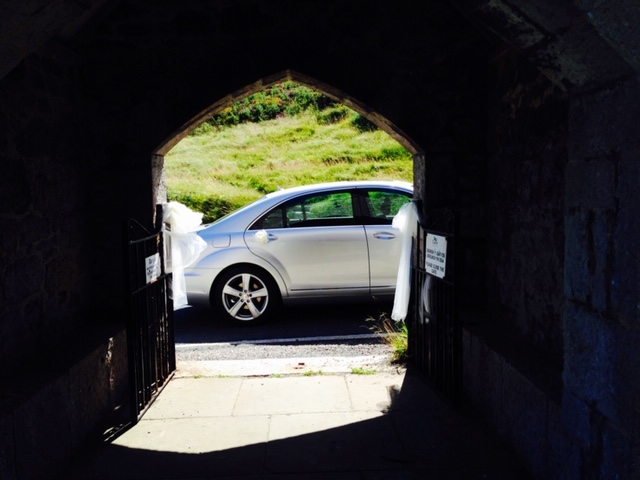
(290, 75)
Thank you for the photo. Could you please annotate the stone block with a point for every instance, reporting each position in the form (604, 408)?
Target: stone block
(558, 444)
(576, 279)
(7, 449)
(604, 122)
(572, 465)
(625, 279)
(42, 440)
(15, 189)
(22, 278)
(591, 184)
(617, 448)
(119, 369)
(628, 367)
(592, 368)
(614, 26)
(602, 234)
(482, 378)
(89, 395)
(524, 409)
(576, 416)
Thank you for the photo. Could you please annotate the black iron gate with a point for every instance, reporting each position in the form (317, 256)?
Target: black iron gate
(150, 334)
(435, 333)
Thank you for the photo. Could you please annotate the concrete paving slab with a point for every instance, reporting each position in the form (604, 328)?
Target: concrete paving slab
(291, 426)
(197, 397)
(387, 426)
(328, 442)
(414, 395)
(373, 392)
(134, 464)
(184, 448)
(292, 395)
(196, 435)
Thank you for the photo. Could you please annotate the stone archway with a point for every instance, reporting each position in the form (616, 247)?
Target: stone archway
(89, 91)
(157, 159)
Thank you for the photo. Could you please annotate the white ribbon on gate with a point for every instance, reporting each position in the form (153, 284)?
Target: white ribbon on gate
(186, 245)
(406, 220)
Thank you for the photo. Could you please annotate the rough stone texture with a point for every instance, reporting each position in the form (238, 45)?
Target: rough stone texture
(525, 205)
(522, 118)
(44, 263)
(7, 447)
(625, 283)
(573, 43)
(37, 430)
(56, 416)
(601, 283)
(527, 414)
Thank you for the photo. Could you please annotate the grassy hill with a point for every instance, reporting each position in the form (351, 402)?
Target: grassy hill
(216, 170)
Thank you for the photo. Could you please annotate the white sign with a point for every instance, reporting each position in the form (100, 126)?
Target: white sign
(152, 266)
(435, 262)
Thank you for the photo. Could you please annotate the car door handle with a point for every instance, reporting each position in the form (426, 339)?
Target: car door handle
(384, 235)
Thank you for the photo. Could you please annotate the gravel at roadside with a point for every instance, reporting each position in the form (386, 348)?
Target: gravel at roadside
(254, 351)
(284, 358)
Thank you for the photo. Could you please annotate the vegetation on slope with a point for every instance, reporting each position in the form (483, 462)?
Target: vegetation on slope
(254, 148)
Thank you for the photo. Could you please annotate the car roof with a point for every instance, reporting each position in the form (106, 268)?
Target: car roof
(341, 184)
(252, 210)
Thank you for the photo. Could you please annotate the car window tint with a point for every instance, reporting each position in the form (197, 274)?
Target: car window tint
(321, 210)
(273, 219)
(384, 205)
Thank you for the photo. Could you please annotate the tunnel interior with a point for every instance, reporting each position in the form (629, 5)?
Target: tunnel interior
(521, 120)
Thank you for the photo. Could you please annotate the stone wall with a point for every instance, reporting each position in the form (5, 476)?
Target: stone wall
(552, 366)
(44, 254)
(525, 207)
(64, 357)
(84, 122)
(513, 352)
(539, 165)
(602, 282)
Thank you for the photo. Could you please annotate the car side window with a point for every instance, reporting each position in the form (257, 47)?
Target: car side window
(384, 205)
(273, 219)
(321, 210)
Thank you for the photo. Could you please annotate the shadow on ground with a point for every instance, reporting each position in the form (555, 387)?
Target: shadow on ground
(199, 324)
(309, 428)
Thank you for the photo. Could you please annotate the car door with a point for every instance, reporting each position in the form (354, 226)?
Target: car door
(383, 240)
(316, 244)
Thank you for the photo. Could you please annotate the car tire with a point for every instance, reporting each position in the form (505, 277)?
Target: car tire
(245, 295)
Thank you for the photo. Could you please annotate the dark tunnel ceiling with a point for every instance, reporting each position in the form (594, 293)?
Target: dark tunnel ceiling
(575, 43)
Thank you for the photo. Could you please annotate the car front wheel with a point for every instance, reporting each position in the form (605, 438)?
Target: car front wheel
(245, 295)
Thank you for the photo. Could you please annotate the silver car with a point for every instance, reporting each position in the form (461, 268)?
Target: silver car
(322, 241)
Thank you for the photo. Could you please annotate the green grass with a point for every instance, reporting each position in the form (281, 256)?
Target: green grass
(313, 373)
(219, 170)
(362, 371)
(395, 334)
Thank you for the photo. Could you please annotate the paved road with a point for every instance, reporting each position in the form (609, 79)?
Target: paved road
(198, 325)
(299, 332)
